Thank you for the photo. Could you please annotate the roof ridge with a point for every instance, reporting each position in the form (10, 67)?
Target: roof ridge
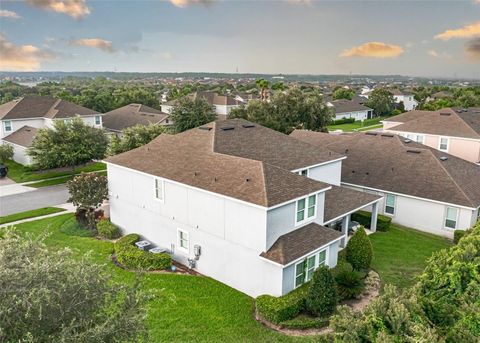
(464, 123)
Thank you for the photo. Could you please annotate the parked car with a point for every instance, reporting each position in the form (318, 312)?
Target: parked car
(3, 171)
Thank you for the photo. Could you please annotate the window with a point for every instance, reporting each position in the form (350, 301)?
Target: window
(304, 270)
(303, 172)
(419, 139)
(183, 240)
(159, 189)
(7, 126)
(390, 204)
(443, 144)
(306, 208)
(451, 218)
(98, 120)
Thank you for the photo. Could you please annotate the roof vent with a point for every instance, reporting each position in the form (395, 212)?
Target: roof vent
(371, 133)
(247, 126)
(206, 128)
(247, 179)
(414, 151)
(445, 113)
(443, 158)
(386, 135)
(346, 151)
(227, 128)
(407, 140)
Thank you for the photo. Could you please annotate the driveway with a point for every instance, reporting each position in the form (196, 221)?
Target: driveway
(42, 197)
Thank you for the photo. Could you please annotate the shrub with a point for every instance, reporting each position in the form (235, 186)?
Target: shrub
(359, 250)
(107, 230)
(132, 257)
(350, 283)
(343, 121)
(365, 218)
(457, 235)
(280, 309)
(303, 322)
(321, 298)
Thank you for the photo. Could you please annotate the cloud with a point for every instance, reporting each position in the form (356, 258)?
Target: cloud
(21, 57)
(374, 49)
(472, 49)
(97, 43)
(467, 31)
(439, 55)
(74, 8)
(9, 14)
(185, 3)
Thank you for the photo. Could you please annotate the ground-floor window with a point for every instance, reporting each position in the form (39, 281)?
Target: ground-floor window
(451, 218)
(390, 204)
(183, 240)
(304, 270)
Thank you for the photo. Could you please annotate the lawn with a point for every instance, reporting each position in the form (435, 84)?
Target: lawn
(30, 214)
(401, 253)
(20, 173)
(358, 125)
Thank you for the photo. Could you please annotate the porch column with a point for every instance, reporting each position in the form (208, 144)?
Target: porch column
(345, 222)
(373, 223)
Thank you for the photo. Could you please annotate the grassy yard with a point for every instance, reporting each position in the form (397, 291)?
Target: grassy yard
(401, 253)
(30, 214)
(20, 173)
(358, 125)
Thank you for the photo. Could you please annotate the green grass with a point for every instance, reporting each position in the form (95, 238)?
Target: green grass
(30, 214)
(358, 125)
(20, 173)
(400, 254)
(58, 181)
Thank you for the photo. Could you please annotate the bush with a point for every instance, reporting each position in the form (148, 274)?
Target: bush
(350, 283)
(321, 298)
(303, 322)
(359, 250)
(280, 309)
(107, 230)
(343, 121)
(365, 218)
(457, 235)
(132, 257)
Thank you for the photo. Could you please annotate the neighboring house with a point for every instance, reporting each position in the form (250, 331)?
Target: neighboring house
(133, 114)
(21, 140)
(350, 109)
(422, 188)
(452, 130)
(408, 100)
(223, 104)
(36, 112)
(238, 202)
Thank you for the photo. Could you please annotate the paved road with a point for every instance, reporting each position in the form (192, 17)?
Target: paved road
(42, 197)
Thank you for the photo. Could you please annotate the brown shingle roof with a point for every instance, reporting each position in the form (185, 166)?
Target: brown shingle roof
(131, 115)
(198, 158)
(298, 243)
(33, 106)
(23, 136)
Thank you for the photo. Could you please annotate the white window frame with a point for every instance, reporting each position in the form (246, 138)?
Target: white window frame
(181, 232)
(99, 120)
(456, 218)
(9, 125)
(316, 255)
(394, 205)
(306, 218)
(162, 182)
(440, 144)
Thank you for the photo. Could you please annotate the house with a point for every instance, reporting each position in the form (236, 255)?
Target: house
(350, 109)
(452, 130)
(422, 188)
(223, 104)
(408, 100)
(243, 204)
(32, 112)
(133, 114)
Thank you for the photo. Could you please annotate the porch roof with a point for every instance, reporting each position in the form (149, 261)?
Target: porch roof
(295, 244)
(340, 201)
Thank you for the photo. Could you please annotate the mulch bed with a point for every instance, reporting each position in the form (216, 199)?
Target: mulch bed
(292, 332)
(180, 268)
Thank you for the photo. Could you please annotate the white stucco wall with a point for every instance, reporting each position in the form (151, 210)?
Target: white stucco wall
(20, 154)
(18, 124)
(409, 101)
(330, 173)
(167, 108)
(358, 115)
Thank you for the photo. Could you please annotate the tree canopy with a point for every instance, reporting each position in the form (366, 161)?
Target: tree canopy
(343, 93)
(381, 101)
(189, 113)
(135, 136)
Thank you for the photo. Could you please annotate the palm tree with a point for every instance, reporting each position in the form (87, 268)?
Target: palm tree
(263, 85)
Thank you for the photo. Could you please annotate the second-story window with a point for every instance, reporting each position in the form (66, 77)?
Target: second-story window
(98, 120)
(159, 189)
(443, 146)
(7, 126)
(306, 208)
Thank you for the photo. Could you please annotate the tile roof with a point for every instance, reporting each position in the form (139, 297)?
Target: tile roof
(33, 106)
(131, 115)
(23, 136)
(386, 162)
(210, 158)
(298, 243)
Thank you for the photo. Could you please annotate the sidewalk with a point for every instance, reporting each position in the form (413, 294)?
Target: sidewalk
(68, 207)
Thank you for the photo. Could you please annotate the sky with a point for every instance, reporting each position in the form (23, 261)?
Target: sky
(414, 38)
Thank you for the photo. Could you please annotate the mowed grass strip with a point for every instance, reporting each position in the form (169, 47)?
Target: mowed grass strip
(30, 214)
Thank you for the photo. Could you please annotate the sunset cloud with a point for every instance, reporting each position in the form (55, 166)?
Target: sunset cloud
(375, 50)
(96, 43)
(472, 50)
(21, 57)
(74, 8)
(9, 14)
(467, 31)
(185, 3)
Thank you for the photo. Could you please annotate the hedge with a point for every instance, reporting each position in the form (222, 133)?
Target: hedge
(303, 322)
(322, 297)
(359, 251)
(457, 235)
(343, 121)
(365, 219)
(134, 258)
(107, 230)
(281, 309)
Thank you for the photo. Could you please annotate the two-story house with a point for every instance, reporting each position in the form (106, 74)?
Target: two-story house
(21, 119)
(452, 130)
(409, 102)
(241, 203)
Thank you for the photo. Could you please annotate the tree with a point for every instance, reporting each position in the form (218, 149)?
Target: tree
(343, 93)
(135, 136)
(189, 113)
(87, 193)
(263, 85)
(68, 144)
(53, 296)
(6, 153)
(381, 101)
(321, 298)
(359, 250)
